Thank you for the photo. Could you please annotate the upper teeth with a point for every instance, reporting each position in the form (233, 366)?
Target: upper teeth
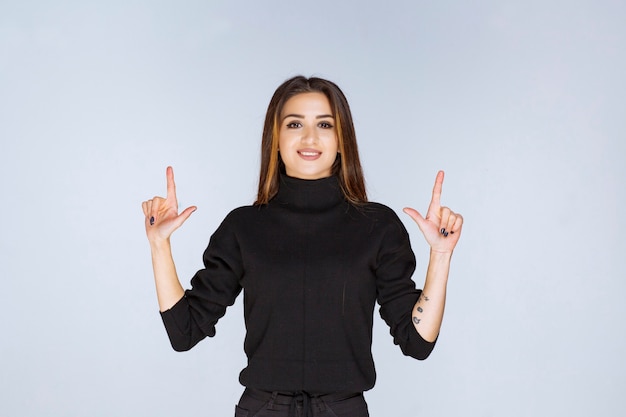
(309, 153)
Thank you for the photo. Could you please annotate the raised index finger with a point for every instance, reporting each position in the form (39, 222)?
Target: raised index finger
(171, 186)
(436, 199)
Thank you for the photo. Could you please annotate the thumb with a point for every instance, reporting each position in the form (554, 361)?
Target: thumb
(416, 216)
(184, 215)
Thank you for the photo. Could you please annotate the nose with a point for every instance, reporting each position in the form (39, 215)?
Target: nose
(309, 135)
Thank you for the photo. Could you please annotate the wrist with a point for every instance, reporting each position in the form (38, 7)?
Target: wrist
(440, 256)
(160, 245)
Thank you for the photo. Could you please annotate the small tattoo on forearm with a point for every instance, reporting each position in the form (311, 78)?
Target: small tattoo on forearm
(420, 309)
(423, 297)
(416, 320)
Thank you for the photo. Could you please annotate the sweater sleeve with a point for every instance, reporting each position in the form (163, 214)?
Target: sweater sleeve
(397, 294)
(213, 289)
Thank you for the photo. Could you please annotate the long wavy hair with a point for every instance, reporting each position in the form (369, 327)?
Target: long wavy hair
(347, 166)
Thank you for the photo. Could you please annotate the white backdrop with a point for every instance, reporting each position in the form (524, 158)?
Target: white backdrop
(521, 103)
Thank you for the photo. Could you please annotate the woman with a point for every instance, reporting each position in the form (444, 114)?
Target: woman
(313, 256)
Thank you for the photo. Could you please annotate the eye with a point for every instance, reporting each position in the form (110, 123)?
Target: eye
(294, 125)
(325, 125)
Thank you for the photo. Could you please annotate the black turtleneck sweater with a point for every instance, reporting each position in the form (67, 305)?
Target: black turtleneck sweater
(312, 267)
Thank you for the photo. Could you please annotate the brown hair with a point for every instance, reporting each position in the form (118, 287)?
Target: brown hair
(347, 166)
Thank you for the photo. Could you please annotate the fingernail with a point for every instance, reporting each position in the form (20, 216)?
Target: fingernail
(443, 230)
(452, 232)
(445, 234)
(152, 221)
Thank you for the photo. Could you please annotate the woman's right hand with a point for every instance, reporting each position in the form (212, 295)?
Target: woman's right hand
(161, 214)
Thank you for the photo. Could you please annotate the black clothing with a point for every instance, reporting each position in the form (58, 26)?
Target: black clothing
(312, 267)
(256, 403)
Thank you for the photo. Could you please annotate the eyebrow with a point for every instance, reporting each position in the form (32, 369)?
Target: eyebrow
(299, 116)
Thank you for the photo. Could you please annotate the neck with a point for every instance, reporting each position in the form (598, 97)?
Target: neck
(302, 194)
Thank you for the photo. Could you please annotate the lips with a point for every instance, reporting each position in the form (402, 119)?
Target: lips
(309, 154)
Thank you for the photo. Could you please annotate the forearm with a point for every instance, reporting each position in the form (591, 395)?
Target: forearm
(168, 288)
(428, 311)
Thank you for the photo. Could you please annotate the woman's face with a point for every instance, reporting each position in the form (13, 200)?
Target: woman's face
(307, 139)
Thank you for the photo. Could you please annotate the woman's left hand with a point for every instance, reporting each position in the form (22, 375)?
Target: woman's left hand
(441, 226)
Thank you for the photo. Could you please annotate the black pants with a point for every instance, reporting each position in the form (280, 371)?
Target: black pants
(256, 403)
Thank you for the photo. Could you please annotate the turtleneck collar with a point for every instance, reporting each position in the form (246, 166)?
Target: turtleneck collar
(309, 195)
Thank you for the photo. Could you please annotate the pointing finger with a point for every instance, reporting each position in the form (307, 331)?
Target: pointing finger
(171, 186)
(436, 199)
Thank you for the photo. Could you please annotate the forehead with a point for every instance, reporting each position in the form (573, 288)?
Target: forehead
(307, 103)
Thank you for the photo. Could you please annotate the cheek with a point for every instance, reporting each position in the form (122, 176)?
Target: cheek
(333, 143)
(283, 140)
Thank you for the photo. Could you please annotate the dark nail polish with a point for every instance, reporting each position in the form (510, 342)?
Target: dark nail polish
(152, 221)
(445, 234)
(452, 232)
(443, 230)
